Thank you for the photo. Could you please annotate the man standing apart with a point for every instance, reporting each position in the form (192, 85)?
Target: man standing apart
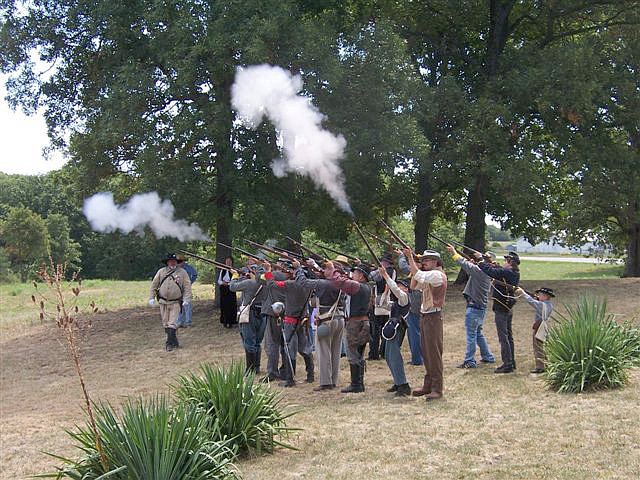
(432, 281)
(476, 293)
(172, 289)
(184, 319)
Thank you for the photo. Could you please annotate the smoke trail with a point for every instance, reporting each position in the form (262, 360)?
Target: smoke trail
(145, 209)
(266, 90)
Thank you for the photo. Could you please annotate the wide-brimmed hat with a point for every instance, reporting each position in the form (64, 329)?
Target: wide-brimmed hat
(341, 259)
(403, 282)
(169, 256)
(513, 256)
(547, 291)
(181, 258)
(489, 255)
(430, 255)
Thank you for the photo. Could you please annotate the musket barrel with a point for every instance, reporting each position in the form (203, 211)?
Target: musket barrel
(364, 239)
(395, 235)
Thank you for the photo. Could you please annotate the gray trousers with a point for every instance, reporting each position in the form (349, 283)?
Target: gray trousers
(328, 352)
(272, 343)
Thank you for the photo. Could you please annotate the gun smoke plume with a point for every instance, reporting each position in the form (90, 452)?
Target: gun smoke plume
(266, 90)
(143, 210)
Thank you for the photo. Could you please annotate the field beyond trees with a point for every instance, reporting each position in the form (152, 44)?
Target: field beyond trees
(487, 426)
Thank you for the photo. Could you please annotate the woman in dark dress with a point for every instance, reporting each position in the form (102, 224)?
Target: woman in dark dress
(228, 301)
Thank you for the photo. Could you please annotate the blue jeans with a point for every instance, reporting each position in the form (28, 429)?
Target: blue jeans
(185, 316)
(413, 329)
(252, 332)
(473, 320)
(393, 356)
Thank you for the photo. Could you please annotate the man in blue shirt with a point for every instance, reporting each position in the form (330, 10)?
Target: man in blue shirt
(184, 319)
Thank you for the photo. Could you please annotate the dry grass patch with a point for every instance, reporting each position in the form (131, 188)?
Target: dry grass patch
(486, 426)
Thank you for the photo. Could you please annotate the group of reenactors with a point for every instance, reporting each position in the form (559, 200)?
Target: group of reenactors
(296, 306)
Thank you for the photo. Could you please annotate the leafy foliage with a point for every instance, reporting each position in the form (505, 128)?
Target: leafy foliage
(249, 416)
(150, 440)
(589, 350)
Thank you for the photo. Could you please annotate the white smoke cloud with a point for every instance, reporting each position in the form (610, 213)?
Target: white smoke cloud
(145, 209)
(266, 90)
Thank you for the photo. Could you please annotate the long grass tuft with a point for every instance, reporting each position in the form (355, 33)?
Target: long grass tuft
(588, 350)
(249, 415)
(151, 440)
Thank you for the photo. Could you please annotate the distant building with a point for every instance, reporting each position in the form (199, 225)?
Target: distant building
(552, 246)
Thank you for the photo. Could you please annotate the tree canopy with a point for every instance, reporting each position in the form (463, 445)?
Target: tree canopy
(452, 110)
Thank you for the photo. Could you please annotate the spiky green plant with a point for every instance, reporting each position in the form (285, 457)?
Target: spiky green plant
(249, 415)
(588, 350)
(149, 440)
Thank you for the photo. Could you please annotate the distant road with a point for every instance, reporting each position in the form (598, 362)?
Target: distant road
(592, 260)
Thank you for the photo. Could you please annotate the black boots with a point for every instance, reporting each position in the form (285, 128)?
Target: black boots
(250, 360)
(308, 366)
(172, 339)
(403, 390)
(357, 377)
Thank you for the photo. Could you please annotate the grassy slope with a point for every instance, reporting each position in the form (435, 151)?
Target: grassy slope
(487, 426)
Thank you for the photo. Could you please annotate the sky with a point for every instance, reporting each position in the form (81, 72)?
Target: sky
(22, 140)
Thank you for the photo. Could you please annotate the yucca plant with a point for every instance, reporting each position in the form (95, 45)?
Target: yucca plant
(150, 440)
(249, 415)
(587, 349)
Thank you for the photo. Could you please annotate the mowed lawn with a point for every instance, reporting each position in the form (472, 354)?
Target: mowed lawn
(487, 426)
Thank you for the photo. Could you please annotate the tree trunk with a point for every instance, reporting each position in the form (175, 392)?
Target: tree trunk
(475, 223)
(224, 179)
(632, 263)
(424, 212)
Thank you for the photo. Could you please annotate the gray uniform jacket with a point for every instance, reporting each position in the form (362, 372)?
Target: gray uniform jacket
(326, 293)
(542, 309)
(272, 293)
(249, 288)
(476, 291)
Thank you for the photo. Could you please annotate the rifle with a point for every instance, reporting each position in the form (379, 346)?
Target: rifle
(447, 244)
(263, 247)
(208, 260)
(395, 235)
(350, 257)
(312, 254)
(364, 239)
(453, 242)
(244, 252)
(381, 240)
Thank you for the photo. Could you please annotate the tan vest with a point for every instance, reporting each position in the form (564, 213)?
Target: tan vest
(433, 297)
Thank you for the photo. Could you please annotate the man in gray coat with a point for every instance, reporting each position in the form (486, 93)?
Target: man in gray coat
(476, 293)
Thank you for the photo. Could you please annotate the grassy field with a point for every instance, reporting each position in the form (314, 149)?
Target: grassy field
(486, 426)
(538, 270)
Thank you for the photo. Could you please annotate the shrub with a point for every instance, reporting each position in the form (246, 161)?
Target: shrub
(588, 350)
(248, 415)
(150, 440)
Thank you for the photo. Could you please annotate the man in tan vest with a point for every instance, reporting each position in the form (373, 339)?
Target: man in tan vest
(432, 281)
(171, 287)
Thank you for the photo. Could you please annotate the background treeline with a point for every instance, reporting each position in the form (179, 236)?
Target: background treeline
(452, 110)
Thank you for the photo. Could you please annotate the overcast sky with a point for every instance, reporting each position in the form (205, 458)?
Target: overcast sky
(22, 139)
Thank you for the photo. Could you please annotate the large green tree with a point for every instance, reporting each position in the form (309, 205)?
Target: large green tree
(25, 240)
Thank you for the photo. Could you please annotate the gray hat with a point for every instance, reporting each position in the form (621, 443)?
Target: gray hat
(430, 255)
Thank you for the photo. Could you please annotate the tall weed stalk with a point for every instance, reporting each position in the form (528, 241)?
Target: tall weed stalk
(70, 324)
